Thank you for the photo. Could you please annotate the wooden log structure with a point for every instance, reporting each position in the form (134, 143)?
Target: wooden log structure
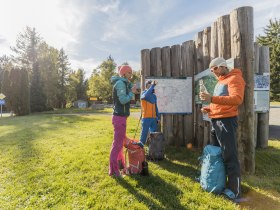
(230, 36)
(242, 50)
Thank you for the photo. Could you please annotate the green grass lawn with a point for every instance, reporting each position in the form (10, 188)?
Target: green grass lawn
(61, 162)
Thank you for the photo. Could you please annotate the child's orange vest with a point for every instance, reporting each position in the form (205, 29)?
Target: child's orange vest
(148, 109)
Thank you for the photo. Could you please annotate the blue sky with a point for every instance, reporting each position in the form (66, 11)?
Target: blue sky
(91, 30)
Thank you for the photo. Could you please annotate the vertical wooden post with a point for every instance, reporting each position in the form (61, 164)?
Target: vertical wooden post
(214, 41)
(156, 66)
(199, 131)
(263, 118)
(155, 61)
(188, 67)
(167, 118)
(206, 47)
(224, 45)
(206, 60)
(176, 71)
(145, 66)
(242, 50)
(256, 70)
(214, 51)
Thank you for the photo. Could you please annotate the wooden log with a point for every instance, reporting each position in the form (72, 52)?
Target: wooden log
(188, 67)
(199, 127)
(199, 52)
(176, 72)
(242, 50)
(224, 44)
(214, 41)
(256, 57)
(263, 118)
(256, 70)
(206, 40)
(206, 50)
(156, 67)
(145, 66)
(167, 124)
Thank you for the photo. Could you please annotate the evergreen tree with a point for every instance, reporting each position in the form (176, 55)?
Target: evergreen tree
(63, 73)
(48, 65)
(27, 50)
(81, 88)
(272, 39)
(16, 89)
(5, 64)
(38, 99)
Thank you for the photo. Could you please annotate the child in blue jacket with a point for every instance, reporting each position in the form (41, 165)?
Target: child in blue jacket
(150, 114)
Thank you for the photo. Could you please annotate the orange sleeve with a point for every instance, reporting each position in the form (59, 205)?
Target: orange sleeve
(236, 93)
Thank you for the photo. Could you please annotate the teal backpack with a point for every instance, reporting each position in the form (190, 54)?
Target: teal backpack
(213, 176)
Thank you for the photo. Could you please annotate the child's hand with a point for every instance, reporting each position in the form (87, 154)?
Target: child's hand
(134, 89)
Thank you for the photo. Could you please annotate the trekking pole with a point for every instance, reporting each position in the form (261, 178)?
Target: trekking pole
(138, 124)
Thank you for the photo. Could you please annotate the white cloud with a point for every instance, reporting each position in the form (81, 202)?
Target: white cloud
(56, 21)
(188, 25)
(87, 64)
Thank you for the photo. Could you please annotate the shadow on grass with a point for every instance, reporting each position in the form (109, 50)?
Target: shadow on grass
(257, 201)
(181, 161)
(165, 193)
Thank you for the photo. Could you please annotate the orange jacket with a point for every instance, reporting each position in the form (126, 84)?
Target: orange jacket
(228, 95)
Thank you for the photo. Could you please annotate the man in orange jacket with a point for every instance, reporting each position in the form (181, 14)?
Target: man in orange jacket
(223, 111)
(149, 109)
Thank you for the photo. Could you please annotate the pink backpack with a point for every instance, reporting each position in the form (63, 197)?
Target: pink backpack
(135, 156)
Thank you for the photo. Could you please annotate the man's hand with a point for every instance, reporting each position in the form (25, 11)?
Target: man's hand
(154, 82)
(205, 110)
(205, 97)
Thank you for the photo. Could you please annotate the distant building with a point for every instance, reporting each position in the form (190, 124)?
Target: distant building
(80, 104)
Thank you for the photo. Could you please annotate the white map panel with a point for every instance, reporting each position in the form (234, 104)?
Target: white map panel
(174, 96)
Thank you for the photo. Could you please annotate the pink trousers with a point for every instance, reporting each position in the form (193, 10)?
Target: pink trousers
(116, 155)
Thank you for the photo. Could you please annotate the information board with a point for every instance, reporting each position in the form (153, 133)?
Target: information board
(174, 95)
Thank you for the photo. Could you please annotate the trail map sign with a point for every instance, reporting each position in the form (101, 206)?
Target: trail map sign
(174, 95)
(261, 92)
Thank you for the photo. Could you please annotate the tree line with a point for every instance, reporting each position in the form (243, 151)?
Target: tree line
(272, 40)
(38, 77)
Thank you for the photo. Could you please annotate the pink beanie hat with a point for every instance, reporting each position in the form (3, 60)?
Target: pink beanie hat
(124, 69)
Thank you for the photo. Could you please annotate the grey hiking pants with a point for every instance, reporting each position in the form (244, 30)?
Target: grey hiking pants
(223, 134)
